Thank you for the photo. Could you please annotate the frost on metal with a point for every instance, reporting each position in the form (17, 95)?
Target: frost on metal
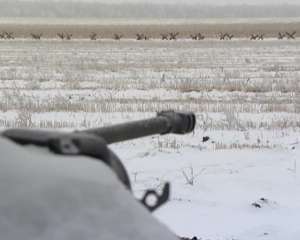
(48, 197)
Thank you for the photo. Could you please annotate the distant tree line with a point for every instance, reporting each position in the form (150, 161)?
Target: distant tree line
(65, 9)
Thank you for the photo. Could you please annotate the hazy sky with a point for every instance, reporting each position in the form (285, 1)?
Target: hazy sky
(215, 2)
(210, 2)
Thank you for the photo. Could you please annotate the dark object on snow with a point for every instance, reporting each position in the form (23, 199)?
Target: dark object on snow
(173, 35)
(117, 36)
(225, 36)
(290, 35)
(7, 35)
(205, 139)
(264, 200)
(36, 36)
(142, 36)
(164, 36)
(259, 36)
(281, 36)
(61, 35)
(63, 185)
(257, 205)
(253, 36)
(184, 238)
(93, 36)
(197, 36)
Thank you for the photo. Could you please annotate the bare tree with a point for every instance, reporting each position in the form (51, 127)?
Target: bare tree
(36, 36)
(2, 35)
(281, 35)
(93, 36)
(118, 36)
(173, 35)
(290, 35)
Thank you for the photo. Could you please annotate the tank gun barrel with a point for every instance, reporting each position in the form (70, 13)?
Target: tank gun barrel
(165, 122)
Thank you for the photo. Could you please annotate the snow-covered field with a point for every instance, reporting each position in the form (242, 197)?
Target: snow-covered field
(241, 184)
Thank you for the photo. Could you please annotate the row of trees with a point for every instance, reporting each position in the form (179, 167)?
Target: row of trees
(164, 36)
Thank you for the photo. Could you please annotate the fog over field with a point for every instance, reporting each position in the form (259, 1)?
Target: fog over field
(147, 9)
(220, 2)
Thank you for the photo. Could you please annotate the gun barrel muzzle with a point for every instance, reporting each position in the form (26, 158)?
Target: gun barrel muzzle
(180, 122)
(165, 122)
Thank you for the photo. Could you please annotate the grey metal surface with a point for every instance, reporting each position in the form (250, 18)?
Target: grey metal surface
(43, 196)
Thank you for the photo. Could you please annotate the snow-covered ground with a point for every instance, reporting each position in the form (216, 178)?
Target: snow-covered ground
(241, 184)
(214, 192)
